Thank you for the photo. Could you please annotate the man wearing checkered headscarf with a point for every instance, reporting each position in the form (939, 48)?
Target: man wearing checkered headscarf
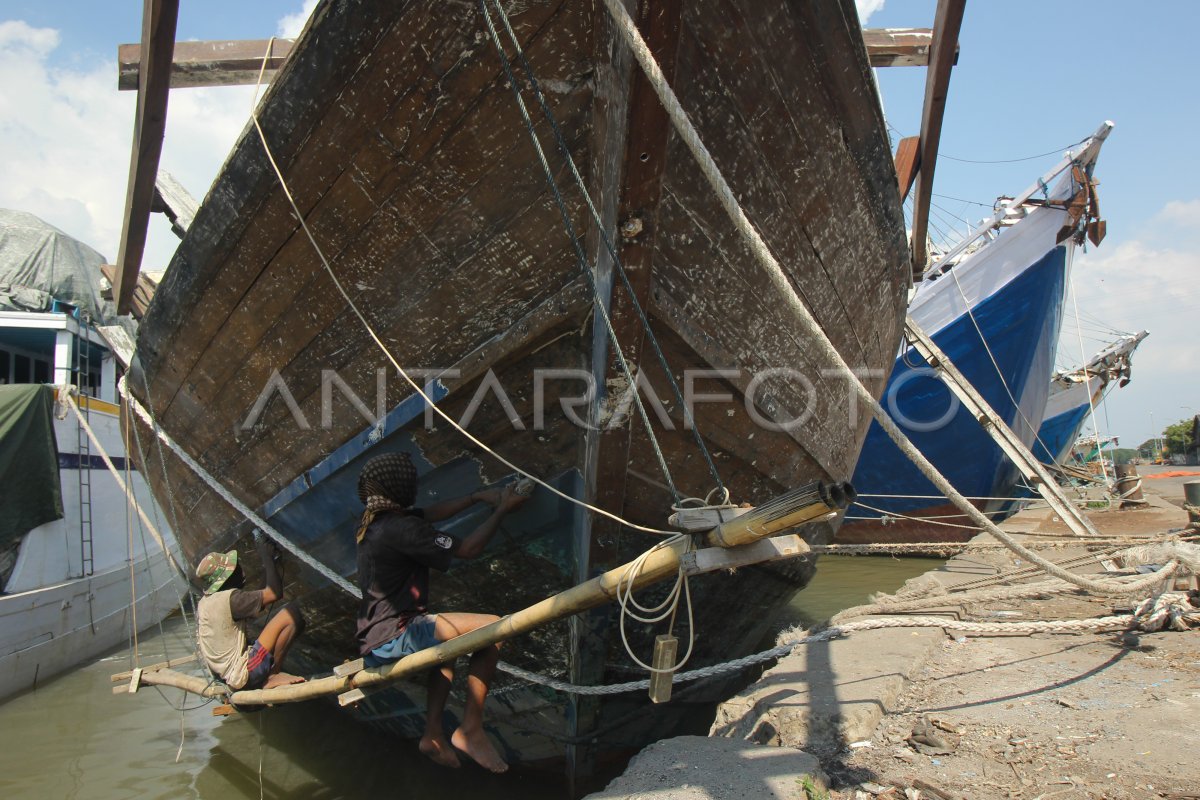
(387, 482)
(397, 547)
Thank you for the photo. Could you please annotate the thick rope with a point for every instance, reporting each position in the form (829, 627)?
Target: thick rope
(238, 505)
(785, 290)
(1073, 626)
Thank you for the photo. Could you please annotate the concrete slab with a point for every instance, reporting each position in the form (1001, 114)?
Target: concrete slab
(830, 694)
(702, 768)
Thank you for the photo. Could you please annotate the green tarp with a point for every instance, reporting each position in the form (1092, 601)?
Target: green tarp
(30, 494)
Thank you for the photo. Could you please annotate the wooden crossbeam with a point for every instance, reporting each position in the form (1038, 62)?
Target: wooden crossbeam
(908, 161)
(159, 18)
(223, 63)
(900, 47)
(234, 62)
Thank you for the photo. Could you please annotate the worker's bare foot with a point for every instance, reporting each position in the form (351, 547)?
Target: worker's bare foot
(439, 751)
(282, 679)
(477, 745)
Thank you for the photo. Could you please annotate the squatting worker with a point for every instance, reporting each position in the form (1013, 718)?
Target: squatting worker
(227, 607)
(397, 546)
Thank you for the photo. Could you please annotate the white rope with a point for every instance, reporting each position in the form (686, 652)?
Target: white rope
(890, 548)
(810, 327)
(64, 394)
(388, 353)
(666, 608)
(937, 497)
(238, 505)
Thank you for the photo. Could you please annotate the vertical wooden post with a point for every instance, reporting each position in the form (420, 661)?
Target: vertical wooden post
(946, 24)
(159, 18)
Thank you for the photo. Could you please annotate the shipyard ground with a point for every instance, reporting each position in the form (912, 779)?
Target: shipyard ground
(1097, 715)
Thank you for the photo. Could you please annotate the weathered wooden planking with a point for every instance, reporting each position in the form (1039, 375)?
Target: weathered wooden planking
(312, 155)
(795, 133)
(645, 163)
(405, 210)
(211, 63)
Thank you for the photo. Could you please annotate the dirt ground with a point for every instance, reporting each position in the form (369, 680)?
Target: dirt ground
(1065, 716)
(936, 714)
(1085, 716)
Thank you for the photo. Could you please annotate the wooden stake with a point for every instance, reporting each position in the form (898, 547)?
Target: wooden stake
(665, 648)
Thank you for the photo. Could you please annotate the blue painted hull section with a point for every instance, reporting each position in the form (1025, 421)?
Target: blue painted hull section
(1021, 324)
(1058, 434)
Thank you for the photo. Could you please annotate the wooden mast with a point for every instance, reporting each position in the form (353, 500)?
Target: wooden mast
(158, 44)
(946, 25)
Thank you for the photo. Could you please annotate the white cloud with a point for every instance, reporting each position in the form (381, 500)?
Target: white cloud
(1185, 214)
(291, 25)
(17, 36)
(64, 138)
(66, 135)
(866, 8)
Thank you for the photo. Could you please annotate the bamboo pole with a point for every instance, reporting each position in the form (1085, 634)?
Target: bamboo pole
(787, 511)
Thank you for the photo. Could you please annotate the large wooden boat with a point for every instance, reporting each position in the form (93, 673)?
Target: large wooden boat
(396, 131)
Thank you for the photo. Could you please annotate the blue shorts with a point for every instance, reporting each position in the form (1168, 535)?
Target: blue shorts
(417, 635)
(259, 662)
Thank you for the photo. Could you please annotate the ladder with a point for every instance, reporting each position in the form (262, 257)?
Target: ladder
(83, 447)
(1032, 469)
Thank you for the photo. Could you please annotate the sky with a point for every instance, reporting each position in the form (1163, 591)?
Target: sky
(1033, 77)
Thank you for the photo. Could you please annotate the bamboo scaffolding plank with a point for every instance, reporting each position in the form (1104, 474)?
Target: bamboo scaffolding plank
(788, 511)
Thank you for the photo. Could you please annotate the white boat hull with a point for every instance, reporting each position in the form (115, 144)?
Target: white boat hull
(46, 631)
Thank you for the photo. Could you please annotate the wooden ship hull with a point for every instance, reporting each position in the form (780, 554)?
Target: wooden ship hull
(397, 133)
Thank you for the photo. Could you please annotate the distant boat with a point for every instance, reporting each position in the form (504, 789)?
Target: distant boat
(1073, 393)
(395, 128)
(995, 307)
(67, 556)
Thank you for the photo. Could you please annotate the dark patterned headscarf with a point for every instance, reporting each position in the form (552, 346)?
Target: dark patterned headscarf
(387, 482)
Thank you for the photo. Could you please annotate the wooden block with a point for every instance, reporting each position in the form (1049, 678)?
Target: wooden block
(665, 648)
(351, 697)
(223, 711)
(174, 662)
(134, 679)
(349, 668)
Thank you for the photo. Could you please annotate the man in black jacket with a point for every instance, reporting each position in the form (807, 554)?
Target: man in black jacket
(397, 546)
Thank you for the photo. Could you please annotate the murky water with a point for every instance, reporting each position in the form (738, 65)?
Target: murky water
(73, 738)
